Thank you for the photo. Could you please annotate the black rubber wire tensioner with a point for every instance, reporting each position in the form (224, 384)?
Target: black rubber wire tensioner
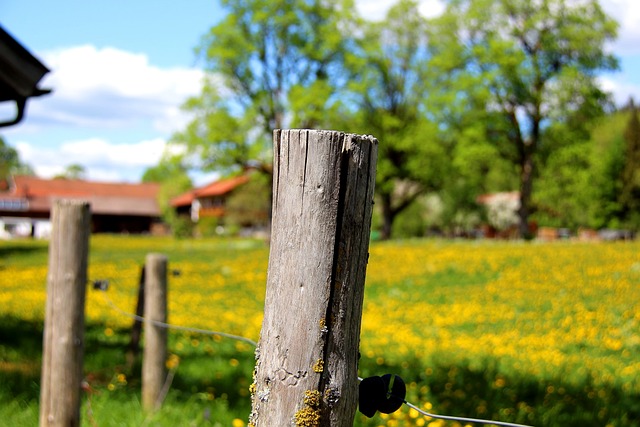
(383, 394)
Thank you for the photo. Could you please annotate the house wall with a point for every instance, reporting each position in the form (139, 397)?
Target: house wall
(11, 227)
(121, 224)
(22, 226)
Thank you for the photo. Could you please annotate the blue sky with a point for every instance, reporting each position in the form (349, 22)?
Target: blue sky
(122, 68)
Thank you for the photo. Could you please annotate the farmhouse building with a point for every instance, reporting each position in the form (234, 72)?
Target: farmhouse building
(209, 200)
(115, 207)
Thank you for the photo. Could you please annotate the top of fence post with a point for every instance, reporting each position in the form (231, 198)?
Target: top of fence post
(306, 369)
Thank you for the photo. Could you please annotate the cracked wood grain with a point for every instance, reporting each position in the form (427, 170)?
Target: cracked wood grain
(323, 192)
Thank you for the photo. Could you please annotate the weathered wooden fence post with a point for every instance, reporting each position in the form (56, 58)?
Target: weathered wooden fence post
(63, 340)
(306, 369)
(133, 349)
(155, 337)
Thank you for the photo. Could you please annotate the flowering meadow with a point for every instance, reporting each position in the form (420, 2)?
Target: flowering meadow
(546, 334)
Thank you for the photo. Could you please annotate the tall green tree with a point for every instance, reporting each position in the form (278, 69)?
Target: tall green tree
(566, 194)
(73, 171)
(10, 164)
(385, 98)
(532, 63)
(606, 151)
(270, 64)
(250, 205)
(629, 197)
(172, 175)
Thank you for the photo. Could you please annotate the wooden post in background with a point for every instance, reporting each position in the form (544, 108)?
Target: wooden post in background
(63, 340)
(154, 371)
(133, 349)
(306, 369)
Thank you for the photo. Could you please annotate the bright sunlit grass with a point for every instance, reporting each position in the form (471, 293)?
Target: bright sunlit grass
(545, 334)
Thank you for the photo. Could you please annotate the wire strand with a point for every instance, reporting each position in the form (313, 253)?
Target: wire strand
(177, 327)
(253, 343)
(462, 419)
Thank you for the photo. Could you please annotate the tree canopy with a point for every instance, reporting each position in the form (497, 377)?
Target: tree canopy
(387, 92)
(271, 64)
(533, 63)
(10, 163)
(629, 197)
(173, 177)
(490, 96)
(73, 171)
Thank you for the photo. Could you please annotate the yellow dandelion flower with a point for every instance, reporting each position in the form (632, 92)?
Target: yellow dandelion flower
(173, 361)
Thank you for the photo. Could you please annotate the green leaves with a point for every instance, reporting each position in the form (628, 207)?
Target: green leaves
(536, 61)
(271, 64)
(629, 197)
(388, 90)
(10, 163)
(476, 100)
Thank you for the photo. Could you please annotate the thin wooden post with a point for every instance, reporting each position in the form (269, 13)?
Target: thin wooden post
(63, 340)
(306, 369)
(155, 337)
(133, 348)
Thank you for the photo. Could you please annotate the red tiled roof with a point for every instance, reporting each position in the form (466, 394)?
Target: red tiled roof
(217, 188)
(184, 199)
(105, 198)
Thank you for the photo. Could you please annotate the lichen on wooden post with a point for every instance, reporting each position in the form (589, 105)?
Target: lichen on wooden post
(306, 367)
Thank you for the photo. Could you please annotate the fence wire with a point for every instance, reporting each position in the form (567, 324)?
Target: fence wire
(253, 343)
(176, 327)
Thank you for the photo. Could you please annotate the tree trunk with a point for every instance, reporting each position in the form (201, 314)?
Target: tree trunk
(388, 215)
(526, 189)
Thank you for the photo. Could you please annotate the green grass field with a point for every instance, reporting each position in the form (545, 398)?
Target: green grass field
(540, 334)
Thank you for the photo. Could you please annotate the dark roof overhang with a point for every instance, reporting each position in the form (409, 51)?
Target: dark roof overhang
(20, 73)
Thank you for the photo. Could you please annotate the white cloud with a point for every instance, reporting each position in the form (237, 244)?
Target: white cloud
(109, 88)
(621, 89)
(431, 8)
(103, 160)
(96, 151)
(627, 13)
(97, 95)
(376, 10)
